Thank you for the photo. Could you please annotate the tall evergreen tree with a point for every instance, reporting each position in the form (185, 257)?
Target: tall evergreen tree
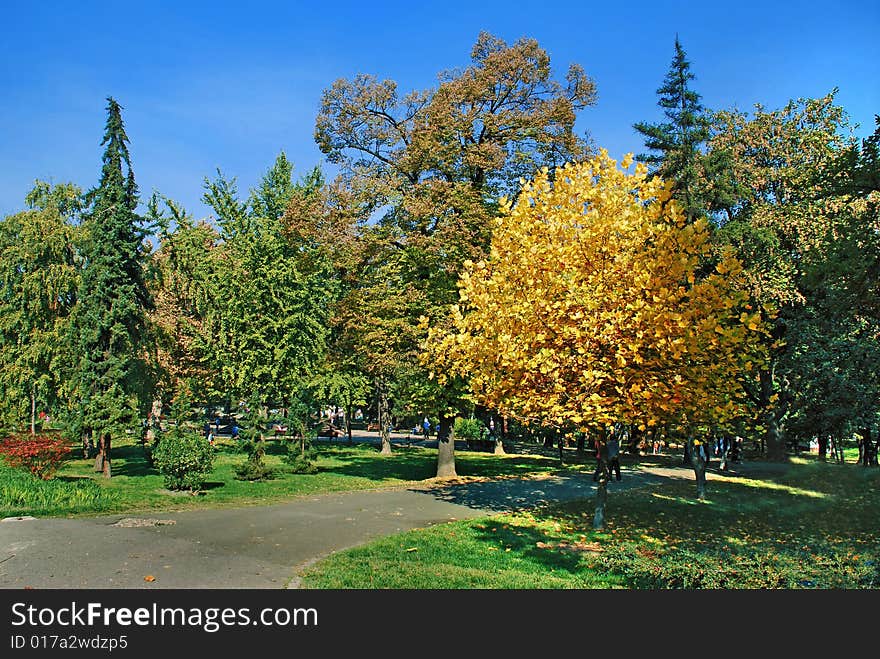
(110, 322)
(675, 143)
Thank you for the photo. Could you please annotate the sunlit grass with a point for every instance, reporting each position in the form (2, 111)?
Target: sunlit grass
(813, 526)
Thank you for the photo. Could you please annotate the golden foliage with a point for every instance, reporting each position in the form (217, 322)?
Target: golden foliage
(598, 303)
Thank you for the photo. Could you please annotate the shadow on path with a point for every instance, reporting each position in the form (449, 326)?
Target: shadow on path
(508, 495)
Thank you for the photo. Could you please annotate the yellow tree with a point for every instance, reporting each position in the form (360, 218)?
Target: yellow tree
(600, 303)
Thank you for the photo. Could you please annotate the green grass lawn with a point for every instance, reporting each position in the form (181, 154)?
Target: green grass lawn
(814, 526)
(135, 486)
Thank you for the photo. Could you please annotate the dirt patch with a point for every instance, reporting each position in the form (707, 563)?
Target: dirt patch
(134, 522)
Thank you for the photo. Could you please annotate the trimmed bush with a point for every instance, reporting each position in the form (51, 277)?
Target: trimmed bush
(184, 459)
(42, 455)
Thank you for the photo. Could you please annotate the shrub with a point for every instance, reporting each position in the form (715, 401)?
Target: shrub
(468, 429)
(301, 461)
(42, 455)
(753, 567)
(184, 459)
(254, 469)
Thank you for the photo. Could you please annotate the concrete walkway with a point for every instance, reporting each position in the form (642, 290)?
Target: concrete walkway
(257, 546)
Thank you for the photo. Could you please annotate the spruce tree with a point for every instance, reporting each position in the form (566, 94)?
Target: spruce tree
(110, 320)
(675, 143)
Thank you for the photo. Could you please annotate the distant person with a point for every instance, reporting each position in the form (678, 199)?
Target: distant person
(234, 431)
(426, 427)
(613, 455)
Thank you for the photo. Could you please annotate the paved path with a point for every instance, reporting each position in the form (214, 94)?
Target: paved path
(257, 546)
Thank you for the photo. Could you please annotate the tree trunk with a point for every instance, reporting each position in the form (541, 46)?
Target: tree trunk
(823, 447)
(383, 420)
(548, 441)
(499, 443)
(865, 447)
(86, 442)
(105, 443)
(446, 448)
(601, 489)
(837, 450)
(561, 443)
(699, 454)
(99, 457)
(348, 423)
(774, 443)
(581, 444)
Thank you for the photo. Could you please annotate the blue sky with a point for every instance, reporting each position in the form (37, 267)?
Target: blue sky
(208, 85)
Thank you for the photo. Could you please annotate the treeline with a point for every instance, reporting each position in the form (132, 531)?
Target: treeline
(305, 291)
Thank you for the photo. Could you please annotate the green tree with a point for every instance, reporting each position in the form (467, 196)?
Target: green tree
(269, 298)
(109, 322)
(180, 279)
(39, 277)
(790, 224)
(425, 170)
(675, 144)
(837, 387)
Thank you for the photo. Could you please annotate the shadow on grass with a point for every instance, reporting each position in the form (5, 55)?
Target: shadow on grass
(135, 462)
(418, 463)
(364, 462)
(765, 506)
(512, 494)
(532, 544)
(773, 533)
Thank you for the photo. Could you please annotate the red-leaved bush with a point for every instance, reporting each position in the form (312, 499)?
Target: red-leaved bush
(42, 455)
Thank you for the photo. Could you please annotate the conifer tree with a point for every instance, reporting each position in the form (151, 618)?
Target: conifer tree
(110, 321)
(675, 144)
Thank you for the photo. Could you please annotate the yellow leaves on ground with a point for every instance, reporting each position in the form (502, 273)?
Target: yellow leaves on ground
(592, 306)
